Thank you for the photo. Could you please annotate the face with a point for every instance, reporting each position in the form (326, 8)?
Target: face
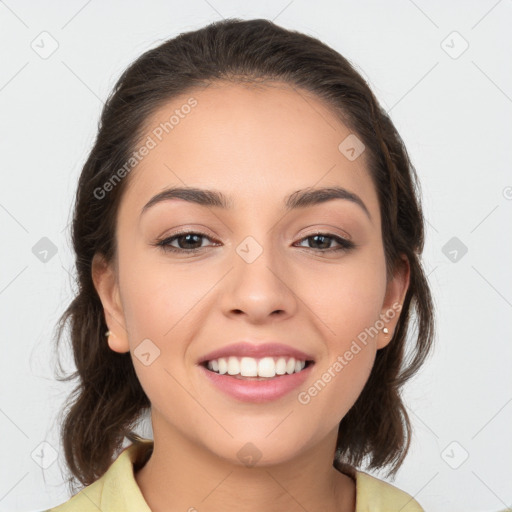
(312, 277)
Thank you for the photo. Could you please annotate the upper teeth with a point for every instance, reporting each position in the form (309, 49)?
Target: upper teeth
(250, 367)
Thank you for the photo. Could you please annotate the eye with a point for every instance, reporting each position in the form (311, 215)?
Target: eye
(191, 241)
(324, 240)
(187, 241)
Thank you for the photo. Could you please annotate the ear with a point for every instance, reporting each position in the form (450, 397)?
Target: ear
(105, 282)
(396, 291)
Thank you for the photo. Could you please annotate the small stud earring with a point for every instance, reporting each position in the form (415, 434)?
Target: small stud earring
(385, 330)
(108, 333)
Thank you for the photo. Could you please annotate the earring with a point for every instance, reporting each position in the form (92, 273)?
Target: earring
(385, 330)
(108, 333)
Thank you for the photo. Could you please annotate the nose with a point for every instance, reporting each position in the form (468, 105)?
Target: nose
(259, 286)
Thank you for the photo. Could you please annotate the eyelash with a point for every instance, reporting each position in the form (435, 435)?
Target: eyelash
(164, 244)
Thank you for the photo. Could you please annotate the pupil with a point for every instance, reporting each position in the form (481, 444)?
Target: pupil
(325, 245)
(188, 237)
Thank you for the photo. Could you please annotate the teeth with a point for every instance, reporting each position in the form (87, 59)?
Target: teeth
(251, 367)
(248, 367)
(266, 367)
(223, 366)
(233, 366)
(281, 366)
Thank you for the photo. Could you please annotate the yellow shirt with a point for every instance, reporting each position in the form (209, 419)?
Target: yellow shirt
(117, 490)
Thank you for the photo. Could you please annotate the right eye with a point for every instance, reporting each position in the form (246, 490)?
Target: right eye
(187, 241)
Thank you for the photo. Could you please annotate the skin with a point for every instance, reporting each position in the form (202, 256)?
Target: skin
(258, 145)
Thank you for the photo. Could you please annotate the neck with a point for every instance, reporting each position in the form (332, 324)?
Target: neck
(182, 476)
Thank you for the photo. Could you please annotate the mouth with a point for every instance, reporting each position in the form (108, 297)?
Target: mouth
(256, 369)
(256, 388)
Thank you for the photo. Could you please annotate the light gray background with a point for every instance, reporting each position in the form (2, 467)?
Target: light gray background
(453, 110)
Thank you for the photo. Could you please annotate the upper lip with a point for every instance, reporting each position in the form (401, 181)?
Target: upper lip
(246, 349)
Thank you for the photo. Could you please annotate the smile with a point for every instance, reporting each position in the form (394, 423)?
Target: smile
(267, 367)
(256, 380)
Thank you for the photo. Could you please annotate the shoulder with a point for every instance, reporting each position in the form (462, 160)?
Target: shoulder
(87, 500)
(375, 495)
(116, 490)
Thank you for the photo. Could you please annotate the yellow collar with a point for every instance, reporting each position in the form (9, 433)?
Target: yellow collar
(117, 489)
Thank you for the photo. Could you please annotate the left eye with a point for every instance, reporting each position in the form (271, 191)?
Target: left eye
(320, 238)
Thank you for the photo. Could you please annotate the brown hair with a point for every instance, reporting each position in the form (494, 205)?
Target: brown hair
(108, 400)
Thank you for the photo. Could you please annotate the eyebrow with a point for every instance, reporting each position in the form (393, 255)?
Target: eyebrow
(216, 199)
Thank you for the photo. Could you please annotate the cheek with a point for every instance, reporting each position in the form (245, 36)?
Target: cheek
(348, 297)
(160, 307)
(157, 299)
(348, 308)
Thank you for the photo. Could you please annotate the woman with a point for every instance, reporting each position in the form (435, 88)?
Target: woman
(248, 236)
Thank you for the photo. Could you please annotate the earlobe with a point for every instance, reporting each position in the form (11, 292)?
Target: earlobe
(117, 344)
(105, 283)
(395, 295)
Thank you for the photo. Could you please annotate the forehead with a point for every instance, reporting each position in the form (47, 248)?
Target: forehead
(254, 143)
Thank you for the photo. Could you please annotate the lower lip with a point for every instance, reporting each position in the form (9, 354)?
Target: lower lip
(257, 390)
